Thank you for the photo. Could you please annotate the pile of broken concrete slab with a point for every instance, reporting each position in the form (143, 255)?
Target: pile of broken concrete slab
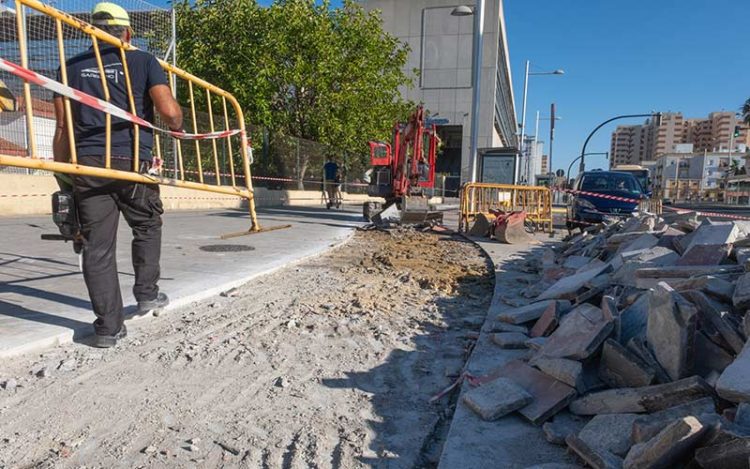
(633, 345)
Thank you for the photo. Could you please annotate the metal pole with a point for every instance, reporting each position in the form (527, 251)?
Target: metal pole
(551, 137)
(478, 37)
(536, 138)
(523, 110)
(174, 82)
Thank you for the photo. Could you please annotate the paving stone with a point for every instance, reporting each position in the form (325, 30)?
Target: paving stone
(734, 383)
(567, 287)
(562, 425)
(647, 426)
(742, 416)
(621, 368)
(547, 322)
(595, 457)
(579, 335)
(712, 286)
(554, 465)
(742, 255)
(550, 396)
(711, 356)
(496, 398)
(530, 312)
(705, 254)
(654, 257)
(731, 455)
(686, 271)
(510, 340)
(670, 330)
(535, 343)
(576, 262)
(668, 447)
(638, 346)
(711, 312)
(741, 296)
(644, 399)
(644, 241)
(499, 326)
(711, 233)
(568, 371)
(610, 432)
(633, 320)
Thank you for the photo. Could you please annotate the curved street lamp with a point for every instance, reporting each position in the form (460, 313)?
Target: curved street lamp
(605, 153)
(582, 166)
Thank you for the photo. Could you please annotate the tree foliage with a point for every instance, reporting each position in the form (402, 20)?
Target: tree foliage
(297, 68)
(745, 110)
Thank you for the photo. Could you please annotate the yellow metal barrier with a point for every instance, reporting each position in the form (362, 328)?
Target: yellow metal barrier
(235, 146)
(479, 198)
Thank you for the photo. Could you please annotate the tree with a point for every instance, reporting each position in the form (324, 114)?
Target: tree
(300, 69)
(745, 110)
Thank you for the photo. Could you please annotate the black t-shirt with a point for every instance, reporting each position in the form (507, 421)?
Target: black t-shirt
(89, 123)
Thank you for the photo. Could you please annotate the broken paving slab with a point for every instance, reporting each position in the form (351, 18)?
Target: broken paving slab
(550, 396)
(593, 456)
(547, 322)
(500, 326)
(638, 346)
(734, 383)
(633, 319)
(711, 312)
(644, 399)
(712, 286)
(712, 358)
(567, 287)
(668, 447)
(510, 340)
(730, 455)
(644, 241)
(579, 335)
(530, 312)
(686, 271)
(567, 371)
(653, 257)
(705, 254)
(711, 233)
(741, 295)
(610, 432)
(496, 398)
(621, 368)
(576, 262)
(562, 425)
(670, 330)
(646, 427)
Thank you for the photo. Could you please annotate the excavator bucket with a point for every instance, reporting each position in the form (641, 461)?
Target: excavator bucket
(509, 227)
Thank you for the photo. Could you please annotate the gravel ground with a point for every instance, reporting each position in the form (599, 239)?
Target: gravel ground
(330, 363)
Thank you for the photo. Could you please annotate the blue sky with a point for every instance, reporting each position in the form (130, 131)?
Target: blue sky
(625, 58)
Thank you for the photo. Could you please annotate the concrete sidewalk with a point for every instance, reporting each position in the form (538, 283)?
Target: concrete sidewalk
(43, 299)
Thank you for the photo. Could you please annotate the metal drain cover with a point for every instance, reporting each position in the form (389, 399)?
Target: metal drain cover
(227, 248)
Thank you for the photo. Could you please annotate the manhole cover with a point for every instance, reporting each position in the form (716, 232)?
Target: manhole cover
(227, 248)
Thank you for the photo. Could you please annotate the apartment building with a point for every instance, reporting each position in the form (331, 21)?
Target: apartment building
(632, 144)
(691, 175)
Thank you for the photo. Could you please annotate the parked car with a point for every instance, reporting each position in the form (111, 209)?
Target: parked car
(583, 210)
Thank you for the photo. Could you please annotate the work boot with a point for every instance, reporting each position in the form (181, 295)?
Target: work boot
(107, 341)
(155, 305)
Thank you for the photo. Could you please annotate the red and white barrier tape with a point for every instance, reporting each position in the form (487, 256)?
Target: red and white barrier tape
(596, 194)
(101, 105)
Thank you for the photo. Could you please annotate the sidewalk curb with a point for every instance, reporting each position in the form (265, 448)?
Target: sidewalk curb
(67, 336)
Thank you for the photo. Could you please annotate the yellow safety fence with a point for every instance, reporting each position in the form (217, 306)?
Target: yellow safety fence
(479, 198)
(196, 162)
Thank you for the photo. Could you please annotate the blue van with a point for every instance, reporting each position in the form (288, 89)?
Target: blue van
(583, 210)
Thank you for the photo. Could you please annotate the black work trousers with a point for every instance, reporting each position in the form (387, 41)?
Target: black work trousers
(100, 202)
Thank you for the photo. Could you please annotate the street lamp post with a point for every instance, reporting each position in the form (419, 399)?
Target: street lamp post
(570, 168)
(582, 165)
(525, 93)
(478, 13)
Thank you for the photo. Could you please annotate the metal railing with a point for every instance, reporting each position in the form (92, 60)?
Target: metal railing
(478, 198)
(196, 162)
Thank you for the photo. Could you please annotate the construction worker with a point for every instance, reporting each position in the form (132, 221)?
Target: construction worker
(331, 180)
(100, 201)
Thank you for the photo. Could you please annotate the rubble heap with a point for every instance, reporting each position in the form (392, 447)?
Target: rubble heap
(635, 339)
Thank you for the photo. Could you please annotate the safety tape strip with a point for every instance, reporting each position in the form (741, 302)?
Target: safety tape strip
(100, 105)
(596, 194)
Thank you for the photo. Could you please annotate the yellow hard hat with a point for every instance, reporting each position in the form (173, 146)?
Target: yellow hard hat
(119, 17)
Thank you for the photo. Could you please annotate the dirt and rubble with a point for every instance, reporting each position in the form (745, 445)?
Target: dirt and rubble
(330, 363)
(635, 338)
